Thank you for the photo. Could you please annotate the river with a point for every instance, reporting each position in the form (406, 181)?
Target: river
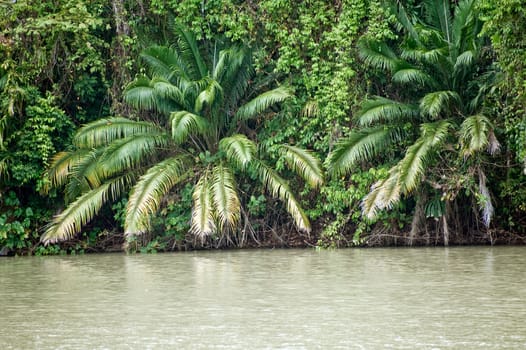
(425, 298)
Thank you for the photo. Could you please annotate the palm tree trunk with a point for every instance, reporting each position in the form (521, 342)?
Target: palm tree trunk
(419, 217)
(445, 229)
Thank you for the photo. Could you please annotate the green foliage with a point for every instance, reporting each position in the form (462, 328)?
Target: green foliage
(257, 205)
(21, 216)
(30, 146)
(446, 91)
(58, 47)
(66, 62)
(341, 210)
(53, 71)
(169, 225)
(505, 23)
(31, 135)
(15, 223)
(316, 45)
(203, 16)
(202, 102)
(53, 249)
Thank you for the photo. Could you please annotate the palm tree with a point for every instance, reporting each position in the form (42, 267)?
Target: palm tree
(436, 117)
(199, 106)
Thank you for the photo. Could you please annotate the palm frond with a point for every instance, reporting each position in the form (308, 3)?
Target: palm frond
(154, 95)
(185, 123)
(304, 163)
(263, 101)
(189, 51)
(163, 62)
(464, 12)
(146, 195)
(404, 19)
(369, 202)
(239, 149)
(391, 190)
(233, 71)
(128, 153)
(435, 208)
(82, 210)
(464, 61)
(141, 94)
(384, 194)
(436, 132)
(438, 13)
(211, 94)
(62, 165)
(166, 64)
(311, 109)
(86, 174)
(439, 103)
(279, 188)
(104, 131)
(221, 65)
(377, 54)
(231, 62)
(474, 134)
(167, 91)
(202, 222)
(359, 146)
(4, 170)
(421, 54)
(413, 76)
(380, 109)
(413, 166)
(225, 198)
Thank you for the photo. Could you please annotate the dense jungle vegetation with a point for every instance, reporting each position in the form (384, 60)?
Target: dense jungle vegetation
(185, 124)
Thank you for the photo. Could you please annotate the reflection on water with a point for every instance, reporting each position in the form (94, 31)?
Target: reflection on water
(456, 298)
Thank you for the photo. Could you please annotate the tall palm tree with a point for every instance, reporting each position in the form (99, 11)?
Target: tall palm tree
(199, 106)
(436, 116)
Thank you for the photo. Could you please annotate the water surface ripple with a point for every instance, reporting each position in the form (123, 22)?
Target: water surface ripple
(434, 298)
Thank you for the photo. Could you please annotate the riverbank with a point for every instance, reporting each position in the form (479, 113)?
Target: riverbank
(111, 242)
